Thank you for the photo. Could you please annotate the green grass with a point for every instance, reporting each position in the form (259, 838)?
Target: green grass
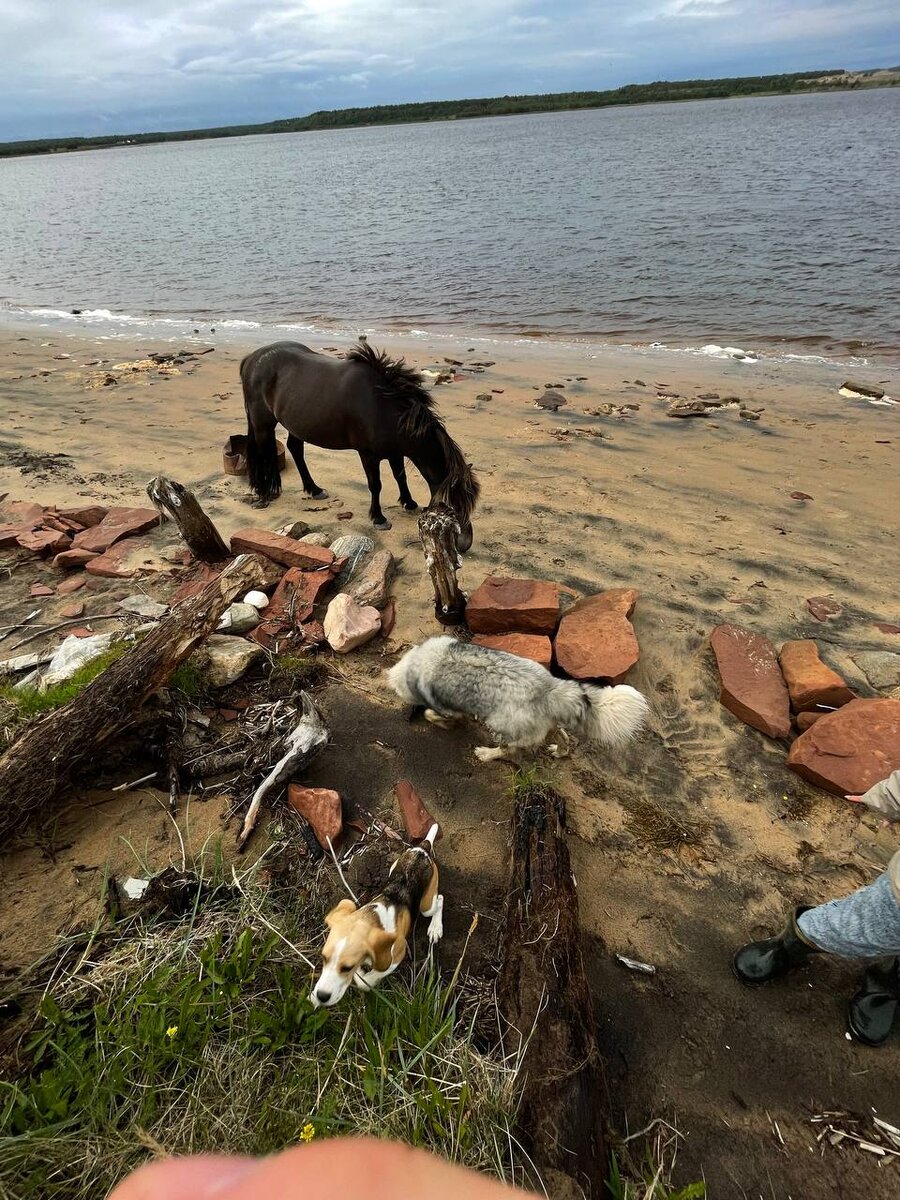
(190, 681)
(199, 1036)
(32, 703)
(647, 1179)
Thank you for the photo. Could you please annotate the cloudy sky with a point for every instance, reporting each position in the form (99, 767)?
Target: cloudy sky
(96, 66)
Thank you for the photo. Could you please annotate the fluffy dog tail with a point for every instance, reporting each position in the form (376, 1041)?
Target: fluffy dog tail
(609, 715)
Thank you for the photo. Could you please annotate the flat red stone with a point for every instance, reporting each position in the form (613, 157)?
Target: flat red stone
(44, 541)
(117, 524)
(504, 605)
(848, 751)
(322, 808)
(823, 607)
(534, 646)
(68, 560)
(806, 720)
(416, 817)
(72, 584)
(87, 517)
(596, 640)
(810, 682)
(284, 550)
(40, 589)
(72, 610)
(119, 561)
(753, 687)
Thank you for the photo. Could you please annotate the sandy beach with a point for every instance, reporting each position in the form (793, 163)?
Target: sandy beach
(689, 843)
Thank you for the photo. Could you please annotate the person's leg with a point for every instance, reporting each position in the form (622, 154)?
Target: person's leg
(865, 924)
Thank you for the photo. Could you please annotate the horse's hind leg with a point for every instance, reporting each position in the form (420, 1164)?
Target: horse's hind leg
(372, 468)
(310, 487)
(398, 466)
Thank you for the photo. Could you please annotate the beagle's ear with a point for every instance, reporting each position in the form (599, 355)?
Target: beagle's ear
(344, 909)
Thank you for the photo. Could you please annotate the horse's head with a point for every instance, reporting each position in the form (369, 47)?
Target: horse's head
(459, 491)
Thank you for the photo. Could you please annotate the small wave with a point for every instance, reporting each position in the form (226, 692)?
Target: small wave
(234, 323)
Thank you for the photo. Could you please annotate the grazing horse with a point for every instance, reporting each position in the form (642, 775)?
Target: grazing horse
(367, 402)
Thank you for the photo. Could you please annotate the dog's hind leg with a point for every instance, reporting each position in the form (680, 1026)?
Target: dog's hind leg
(487, 754)
(444, 720)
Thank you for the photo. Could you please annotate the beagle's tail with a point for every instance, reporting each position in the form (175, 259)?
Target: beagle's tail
(431, 836)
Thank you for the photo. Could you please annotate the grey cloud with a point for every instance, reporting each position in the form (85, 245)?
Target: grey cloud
(131, 64)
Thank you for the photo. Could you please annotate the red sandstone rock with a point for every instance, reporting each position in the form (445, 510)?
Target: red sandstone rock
(121, 561)
(21, 513)
(810, 682)
(292, 603)
(416, 817)
(388, 618)
(322, 808)
(117, 524)
(884, 627)
(72, 611)
(40, 589)
(513, 605)
(752, 684)
(313, 633)
(202, 574)
(72, 584)
(848, 751)
(806, 720)
(284, 550)
(68, 560)
(525, 645)
(823, 607)
(86, 517)
(596, 640)
(44, 541)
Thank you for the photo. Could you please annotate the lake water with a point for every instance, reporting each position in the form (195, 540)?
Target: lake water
(763, 222)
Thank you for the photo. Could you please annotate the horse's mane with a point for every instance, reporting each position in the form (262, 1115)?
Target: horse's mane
(397, 381)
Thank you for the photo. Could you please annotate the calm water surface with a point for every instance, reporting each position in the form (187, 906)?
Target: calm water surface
(741, 222)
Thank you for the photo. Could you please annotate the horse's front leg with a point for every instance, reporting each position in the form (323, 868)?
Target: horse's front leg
(398, 466)
(310, 487)
(372, 468)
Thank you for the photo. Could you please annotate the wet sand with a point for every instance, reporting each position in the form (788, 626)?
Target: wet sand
(685, 845)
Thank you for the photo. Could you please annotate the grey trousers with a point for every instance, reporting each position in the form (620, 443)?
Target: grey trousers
(864, 925)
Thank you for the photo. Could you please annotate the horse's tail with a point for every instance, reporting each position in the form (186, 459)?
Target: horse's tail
(262, 449)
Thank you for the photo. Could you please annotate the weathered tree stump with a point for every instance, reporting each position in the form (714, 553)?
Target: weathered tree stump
(176, 501)
(543, 995)
(438, 531)
(42, 761)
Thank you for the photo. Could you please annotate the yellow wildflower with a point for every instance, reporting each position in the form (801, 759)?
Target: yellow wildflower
(171, 1031)
(308, 1132)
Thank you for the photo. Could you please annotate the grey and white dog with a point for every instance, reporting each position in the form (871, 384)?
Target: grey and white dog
(518, 700)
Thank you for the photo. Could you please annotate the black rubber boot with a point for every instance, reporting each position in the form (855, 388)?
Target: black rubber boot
(761, 962)
(871, 1012)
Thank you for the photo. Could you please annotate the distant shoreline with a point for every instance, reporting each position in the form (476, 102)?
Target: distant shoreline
(797, 83)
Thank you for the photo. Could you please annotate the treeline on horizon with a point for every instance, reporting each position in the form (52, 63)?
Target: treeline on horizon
(450, 110)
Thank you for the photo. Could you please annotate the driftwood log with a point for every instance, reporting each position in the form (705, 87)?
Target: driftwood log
(42, 761)
(438, 531)
(543, 995)
(181, 505)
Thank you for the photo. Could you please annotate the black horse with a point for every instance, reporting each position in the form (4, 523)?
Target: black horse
(367, 402)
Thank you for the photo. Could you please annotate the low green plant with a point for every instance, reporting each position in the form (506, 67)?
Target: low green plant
(29, 702)
(648, 1176)
(190, 681)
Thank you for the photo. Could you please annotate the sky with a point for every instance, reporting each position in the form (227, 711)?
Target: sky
(118, 66)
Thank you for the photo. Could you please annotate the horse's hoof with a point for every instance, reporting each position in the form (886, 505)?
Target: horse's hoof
(411, 507)
(382, 525)
(259, 503)
(321, 494)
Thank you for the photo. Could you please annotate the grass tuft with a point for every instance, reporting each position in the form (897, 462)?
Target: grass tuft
(190, 681)
(32, 703)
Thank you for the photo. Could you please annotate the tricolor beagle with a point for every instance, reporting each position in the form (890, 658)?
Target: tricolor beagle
(366, 944)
